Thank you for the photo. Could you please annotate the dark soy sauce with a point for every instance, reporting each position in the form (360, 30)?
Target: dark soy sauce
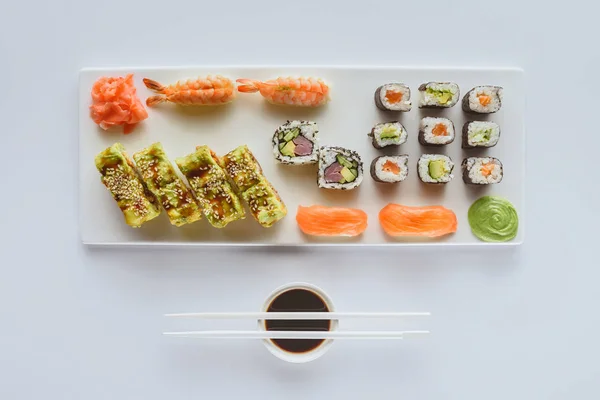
(298, 300)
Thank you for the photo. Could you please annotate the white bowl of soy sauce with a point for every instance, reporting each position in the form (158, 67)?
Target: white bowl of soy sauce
(298, 297)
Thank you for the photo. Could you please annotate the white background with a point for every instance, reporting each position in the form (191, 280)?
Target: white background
(77, 323)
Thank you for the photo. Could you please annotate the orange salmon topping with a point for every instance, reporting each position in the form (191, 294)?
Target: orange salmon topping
(390, 166)
(486, 169)
(393, 97)
(484, 99)
(439, 130)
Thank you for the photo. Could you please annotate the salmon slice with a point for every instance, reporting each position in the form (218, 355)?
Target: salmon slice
(430, 221)
(331, 221)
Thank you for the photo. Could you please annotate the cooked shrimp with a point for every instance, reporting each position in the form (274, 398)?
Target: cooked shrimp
(209, 91)
(305, 92)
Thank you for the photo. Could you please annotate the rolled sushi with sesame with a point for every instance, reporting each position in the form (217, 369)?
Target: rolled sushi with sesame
(435, 168)
(339, 168)
(389, 169)
(436, 131)
(438, 94)
(483, 100)
(482, 170)
(388, 134)
(393, 97)
(295, 143)
(480, 134)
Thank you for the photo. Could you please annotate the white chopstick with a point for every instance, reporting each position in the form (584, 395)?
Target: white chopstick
(298, 315)
(228, 334)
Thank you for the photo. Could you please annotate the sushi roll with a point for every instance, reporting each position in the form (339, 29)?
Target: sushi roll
(438, 94)
(389, 169)
(482, 170)
(339, 168)
(435, 168)
(210, 184)
(480, 134)
(295, 143)
(122, 180)
(483, 100)
(436, 131)
(388, 134)
(393, 97)
(160, 178)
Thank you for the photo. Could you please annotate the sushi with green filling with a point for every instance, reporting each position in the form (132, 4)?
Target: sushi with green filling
(435, 168)
(438, 94)
(160, 178)
(122, 180)
(480, 134)
(339, 168)
(295, 143)
(210, 184)
(483, 99)
(388, 134)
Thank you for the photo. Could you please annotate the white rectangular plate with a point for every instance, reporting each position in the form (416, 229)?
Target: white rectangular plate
(345, 122)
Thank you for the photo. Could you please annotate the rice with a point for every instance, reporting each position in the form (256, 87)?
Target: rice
(432, 94)
(394, 128)
(480, 134)
(381, 173)
(472, 100)
(473, 173)
(381, 98)
(423, 168)
(428, 131)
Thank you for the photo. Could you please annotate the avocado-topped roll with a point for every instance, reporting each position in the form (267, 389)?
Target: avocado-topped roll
(295, 143)
(435, 168)
(482, 170)
(393, 97)
(388, 134)
(120, 177)
(265, 204)
(160, 178)
(209, 182)
(438, 94)
(480, 134)
(436, 131)
(339, 168)
(483, 99)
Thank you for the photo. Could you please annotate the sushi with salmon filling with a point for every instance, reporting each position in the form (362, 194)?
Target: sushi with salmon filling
(480, 134)
(483, 100)
(436, 131)
(339, 168)
(389, 169)
(435, 168)
(482, 170)
(393, 97)
(295, 143)
(438, 95)
(388, 134)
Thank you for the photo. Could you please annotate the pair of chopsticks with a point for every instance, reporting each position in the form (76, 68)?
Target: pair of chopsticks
(258, 334)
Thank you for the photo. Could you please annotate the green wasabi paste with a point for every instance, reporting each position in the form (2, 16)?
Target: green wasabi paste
(493, 219)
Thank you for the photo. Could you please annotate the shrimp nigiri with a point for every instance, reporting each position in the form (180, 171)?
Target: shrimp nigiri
(209, 91)
(305, 92)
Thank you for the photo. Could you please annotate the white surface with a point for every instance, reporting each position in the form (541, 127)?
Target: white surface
(251, 120)
(82, 323)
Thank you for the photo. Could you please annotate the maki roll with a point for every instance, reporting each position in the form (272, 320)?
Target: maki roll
(160, 178)
(388, 134)
(389, 169)
(209, 183)
(480, 134)
(339, 168)
(295, 143)
(438, 94)
(120, 177)
(435, 168)
(482, 170)
(483, 99)
(393, 97)
(436, 131)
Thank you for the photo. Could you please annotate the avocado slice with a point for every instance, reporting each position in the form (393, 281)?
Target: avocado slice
(354, 171)
(282, 145)
(347, 175)
(482, 136)
(444, 97)
(343, 162)
(292, 133)
(288, 149)
(389, 133)
(437, 169)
